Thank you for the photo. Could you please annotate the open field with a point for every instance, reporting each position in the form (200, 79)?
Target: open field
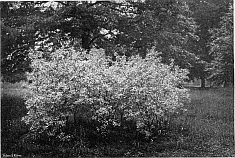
(208, 124)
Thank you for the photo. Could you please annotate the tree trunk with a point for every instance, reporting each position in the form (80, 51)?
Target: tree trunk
(211, 84)
(203, 82)
(226, 83)
(86, 40)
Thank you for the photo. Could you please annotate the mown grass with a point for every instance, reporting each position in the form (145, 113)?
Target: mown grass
(206, 129)
(18, 89)
(210, 120)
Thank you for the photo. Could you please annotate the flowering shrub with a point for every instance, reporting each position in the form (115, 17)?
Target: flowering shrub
(93, 87)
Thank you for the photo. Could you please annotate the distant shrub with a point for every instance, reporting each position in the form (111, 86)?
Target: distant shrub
(92, 87)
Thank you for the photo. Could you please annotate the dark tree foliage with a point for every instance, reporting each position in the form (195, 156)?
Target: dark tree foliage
(129, 27)
(16, 36)
(207, 15)
(167, 25)
(221, 48)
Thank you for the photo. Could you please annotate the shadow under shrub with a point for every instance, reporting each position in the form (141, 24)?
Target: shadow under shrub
(84, 100)
(13, 108)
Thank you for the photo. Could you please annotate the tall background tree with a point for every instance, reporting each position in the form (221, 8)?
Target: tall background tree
(128, 28)
(179, 29)
(221, 48)
(16, 35)
(207, 15)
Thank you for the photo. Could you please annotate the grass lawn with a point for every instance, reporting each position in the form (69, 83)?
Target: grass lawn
(12, 110)
(209, 123)
(210, 119)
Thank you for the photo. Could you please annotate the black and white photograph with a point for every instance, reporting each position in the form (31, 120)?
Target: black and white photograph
(117, 78)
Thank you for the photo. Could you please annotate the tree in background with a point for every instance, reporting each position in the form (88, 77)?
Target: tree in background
(167, 25)
(127, 27)
(130, 26)
(47, 26)
(207, 15)
(16, 35)
(221, 48)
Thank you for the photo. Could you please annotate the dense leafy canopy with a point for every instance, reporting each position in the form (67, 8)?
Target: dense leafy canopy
(222, 65)
(207, 15)
(16, 36)
(131, 26)
(179, 29)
